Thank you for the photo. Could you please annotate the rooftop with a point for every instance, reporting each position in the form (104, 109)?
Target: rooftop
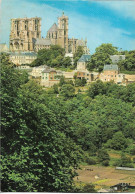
(53, 28)
(110, 67)
(84, 58)
(42, 41)
(23, 54)
(48, 70)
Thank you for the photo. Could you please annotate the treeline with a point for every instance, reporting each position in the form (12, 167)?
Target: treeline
(55, 57)
(102, 54)
(47, 134)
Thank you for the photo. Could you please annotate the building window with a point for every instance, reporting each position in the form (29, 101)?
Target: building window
(111, 75)
(83, 73)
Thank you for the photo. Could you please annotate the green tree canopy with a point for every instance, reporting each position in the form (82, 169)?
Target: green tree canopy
(102, 56)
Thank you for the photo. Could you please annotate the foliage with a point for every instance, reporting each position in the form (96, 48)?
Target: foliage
(129, 62)
(102, 57)
(78, 54)
(67, 91)
(37, 155)
(103, 157)
(124, 161)
(80, 82)
(85, 188)
(118, 141)
(53, 57)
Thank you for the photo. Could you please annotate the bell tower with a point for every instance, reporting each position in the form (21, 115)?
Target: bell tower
(63, 32)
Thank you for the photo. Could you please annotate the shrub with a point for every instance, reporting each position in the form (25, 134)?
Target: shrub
(90, 161)
(105, 163)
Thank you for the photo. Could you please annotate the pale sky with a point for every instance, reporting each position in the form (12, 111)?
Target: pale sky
(98, 21)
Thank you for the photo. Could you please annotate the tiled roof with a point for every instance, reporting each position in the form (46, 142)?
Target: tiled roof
(42, 41)
(110, 67)
(53, 28)
(48, 70)
(23, 54)
(84, 58)
(116, 58)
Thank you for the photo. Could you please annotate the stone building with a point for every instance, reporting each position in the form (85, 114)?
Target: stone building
(25, 35)
(20, 58)
(111, 73)
(50, 77)
(23, 32)
(83, 61)
(116, 58)
(42, 44)
(58, 34)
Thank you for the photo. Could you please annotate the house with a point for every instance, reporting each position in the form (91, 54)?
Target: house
(50, 77)
(86, 75)
(116, 58)
(111, 73)
(82, 62)
(37, 71)
(19, 58)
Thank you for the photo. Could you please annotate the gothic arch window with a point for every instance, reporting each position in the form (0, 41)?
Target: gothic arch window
(49, 35)
(16, 45)
(52, 35)
(21, 45)
(11, 46)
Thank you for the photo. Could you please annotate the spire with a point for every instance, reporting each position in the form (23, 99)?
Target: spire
(63, 13)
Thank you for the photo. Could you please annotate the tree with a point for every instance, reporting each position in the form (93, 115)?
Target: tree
(78, 54)
(36, 154)
(118, 141)
(129, 62)
(124, 161)
(53, 57)
(102, 57)
(67, 91)
(103, 157)
(96, 88)
(66, 62)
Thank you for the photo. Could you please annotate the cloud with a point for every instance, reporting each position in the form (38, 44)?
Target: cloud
(124, 8)
(97, 31)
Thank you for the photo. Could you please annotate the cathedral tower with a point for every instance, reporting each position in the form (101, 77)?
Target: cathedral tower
(62, 38)
(23, 31)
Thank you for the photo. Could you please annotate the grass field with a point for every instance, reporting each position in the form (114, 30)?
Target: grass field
(104, 177)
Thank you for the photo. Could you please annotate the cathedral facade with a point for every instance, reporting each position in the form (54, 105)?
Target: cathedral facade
(58, 34)
(23, 31)
(25, 35)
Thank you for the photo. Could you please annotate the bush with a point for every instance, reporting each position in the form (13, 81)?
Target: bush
(133, 160)
(124, 161)
(90, 161)
(87, 188)
(105, 163)
(103, 157)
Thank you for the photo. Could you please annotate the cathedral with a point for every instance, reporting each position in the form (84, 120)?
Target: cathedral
(26, 36)
(23, 31)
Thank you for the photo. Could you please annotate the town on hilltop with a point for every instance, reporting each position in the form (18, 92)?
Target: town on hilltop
(26, 42)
